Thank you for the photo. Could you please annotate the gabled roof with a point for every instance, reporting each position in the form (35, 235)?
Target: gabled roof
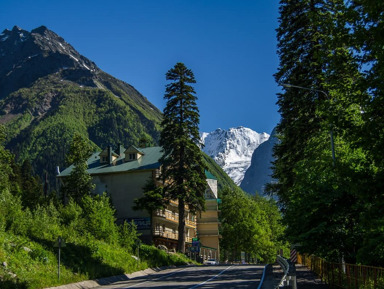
(149, 161)
(133, 149)
(208, 175)
(105, 153)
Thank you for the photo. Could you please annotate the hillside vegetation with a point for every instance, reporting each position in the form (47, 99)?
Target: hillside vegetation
(30, 224)
(42, 119)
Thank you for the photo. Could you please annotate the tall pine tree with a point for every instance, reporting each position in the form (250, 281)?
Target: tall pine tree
(320, 203)
(183, 169)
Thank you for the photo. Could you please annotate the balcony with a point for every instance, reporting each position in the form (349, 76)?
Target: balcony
(173, 218)
(190, 223)
(168, 215)
(188, 239)
(164, 234)
(175, 203)
(170, 235)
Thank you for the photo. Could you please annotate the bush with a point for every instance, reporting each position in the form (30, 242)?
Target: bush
(12, 216)
(128, 236)
(99, 218)
(46, 223)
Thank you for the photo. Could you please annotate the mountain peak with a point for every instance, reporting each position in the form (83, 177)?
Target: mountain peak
(40, 30)
(26, 56)
(232, 149)
(16, 28)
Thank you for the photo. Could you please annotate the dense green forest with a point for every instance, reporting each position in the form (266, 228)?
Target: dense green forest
(329, 162)
(42, 119)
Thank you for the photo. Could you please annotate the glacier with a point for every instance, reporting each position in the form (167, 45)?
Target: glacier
(232, 149)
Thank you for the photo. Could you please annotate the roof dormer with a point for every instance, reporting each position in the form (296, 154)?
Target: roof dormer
(108, 156)
(133, 153)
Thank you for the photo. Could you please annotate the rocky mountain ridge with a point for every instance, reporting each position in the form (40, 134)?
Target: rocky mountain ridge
(260, 172)
(232, 149)
(49, 92)
(27, 56)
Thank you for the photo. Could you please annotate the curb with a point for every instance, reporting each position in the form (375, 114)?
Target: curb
(109, 280)
(262, 278)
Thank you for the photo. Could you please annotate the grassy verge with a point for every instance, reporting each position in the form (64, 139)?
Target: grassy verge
(32, 264)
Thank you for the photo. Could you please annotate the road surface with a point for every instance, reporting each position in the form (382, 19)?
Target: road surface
(202, 277)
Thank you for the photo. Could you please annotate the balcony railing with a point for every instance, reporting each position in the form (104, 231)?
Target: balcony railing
(174, 217)
(169, 235)
(190, 223)
(188, 239)
(175, 203)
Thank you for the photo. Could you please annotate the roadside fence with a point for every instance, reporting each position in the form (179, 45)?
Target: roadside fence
(343, 275)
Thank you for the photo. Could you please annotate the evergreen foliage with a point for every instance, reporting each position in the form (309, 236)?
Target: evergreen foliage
(183, 167)
(326, 207)
(79, 182)
(152, 199)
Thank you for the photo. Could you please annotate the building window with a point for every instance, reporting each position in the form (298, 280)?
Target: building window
(132, 156)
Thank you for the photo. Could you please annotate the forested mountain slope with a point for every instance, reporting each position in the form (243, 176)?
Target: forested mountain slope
(48, 92)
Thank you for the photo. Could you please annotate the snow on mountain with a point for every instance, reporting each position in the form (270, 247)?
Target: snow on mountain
(260, 171)
(232, 149)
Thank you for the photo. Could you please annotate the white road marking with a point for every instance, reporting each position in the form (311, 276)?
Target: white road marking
(173, 273)
(210, 279)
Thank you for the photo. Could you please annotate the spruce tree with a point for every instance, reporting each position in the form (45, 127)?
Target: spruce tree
(183, 169)
(320, 203)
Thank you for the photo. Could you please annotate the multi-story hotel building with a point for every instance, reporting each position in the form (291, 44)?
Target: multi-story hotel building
(123, 173)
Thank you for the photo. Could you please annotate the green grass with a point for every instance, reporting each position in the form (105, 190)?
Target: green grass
(28, 236)
(35, 262)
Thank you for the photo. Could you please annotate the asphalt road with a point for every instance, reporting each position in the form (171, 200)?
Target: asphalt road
(202, 277)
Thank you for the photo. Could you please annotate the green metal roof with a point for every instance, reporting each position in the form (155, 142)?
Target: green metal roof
(149, 161)
(210, 176)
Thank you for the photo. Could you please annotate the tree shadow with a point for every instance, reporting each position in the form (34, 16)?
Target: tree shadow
(79, 259)
(13, 285)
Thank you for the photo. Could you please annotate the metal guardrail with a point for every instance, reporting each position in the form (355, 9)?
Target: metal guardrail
(289, 273)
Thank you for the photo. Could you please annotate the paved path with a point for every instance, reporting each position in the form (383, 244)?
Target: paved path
(305, 279)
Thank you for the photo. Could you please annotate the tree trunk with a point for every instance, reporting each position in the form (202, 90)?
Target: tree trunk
(181, 237)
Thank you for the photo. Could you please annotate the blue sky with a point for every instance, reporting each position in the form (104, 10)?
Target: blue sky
(230, 45)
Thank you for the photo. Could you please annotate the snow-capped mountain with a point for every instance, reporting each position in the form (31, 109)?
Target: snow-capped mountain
(260, 171)
(232, 149)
